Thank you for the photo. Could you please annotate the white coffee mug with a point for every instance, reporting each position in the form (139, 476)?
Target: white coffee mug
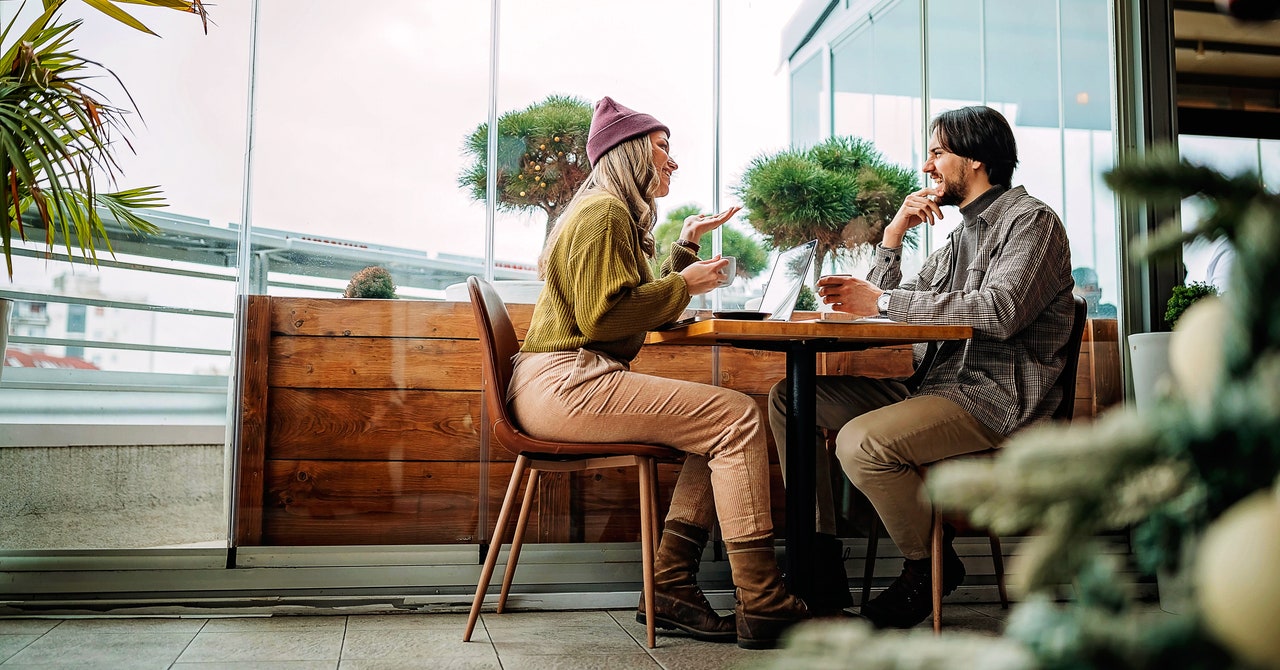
(730, 271)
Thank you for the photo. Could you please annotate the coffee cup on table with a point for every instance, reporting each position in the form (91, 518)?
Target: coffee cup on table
(729, 272)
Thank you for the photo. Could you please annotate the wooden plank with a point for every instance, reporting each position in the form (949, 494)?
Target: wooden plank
(382, 318)
(383, 425)
(882, 362)
(1104, 346)
(361, 502)
(687, 363)
(254, 418)
(751, 371)
(553, 507)
(369, 362)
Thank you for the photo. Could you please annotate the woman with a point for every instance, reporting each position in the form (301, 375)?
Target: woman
(572, 378)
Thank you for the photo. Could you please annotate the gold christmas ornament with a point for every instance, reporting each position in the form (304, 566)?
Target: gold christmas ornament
(1237, 576)
(542, 147)
(557, 138)
(537, 167)
(1195, 350)
(521, 194)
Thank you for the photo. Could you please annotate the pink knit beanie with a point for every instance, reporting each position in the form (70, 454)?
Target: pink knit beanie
(612, 124)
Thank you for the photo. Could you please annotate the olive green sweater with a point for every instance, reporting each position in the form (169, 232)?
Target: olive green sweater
(600, 293)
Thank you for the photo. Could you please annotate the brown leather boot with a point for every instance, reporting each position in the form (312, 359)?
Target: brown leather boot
(765, 609)
(678, 602)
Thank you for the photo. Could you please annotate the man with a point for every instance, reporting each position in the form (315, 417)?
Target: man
(1086, 279)
(1006, 272)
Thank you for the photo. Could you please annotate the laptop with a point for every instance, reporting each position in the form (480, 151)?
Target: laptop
(790, 270)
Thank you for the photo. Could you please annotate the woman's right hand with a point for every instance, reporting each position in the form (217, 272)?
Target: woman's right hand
(704, 276)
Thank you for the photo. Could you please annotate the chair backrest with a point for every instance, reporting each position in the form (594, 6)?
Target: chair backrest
(498, 344)
(1067, 378)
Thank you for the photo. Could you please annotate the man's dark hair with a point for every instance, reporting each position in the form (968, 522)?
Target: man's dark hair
(981, 134)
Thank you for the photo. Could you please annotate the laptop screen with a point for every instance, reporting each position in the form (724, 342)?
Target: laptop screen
(790, 270)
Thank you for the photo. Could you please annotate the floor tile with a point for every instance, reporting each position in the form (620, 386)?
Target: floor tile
(12, 644)
(255, 665)
(132, 625)
(558, 634)
(259, 646)
(419, 664)
(680, 652)
(443, 623)
(992, 610)
(633, 661)
(102, 650)
(275, 623)
(410, 644)
(545, 620)
(27, 626)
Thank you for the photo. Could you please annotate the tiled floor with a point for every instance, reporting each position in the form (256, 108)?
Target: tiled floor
(512, 641)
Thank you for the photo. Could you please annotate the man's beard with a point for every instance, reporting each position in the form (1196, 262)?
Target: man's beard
(954, 190)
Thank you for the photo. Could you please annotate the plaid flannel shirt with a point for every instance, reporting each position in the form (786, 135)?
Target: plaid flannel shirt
(1016, 297)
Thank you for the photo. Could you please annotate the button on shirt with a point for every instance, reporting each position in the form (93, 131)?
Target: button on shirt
(1007, 275)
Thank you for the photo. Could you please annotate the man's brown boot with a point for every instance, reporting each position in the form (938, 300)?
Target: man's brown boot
(765, 609)
(678, 602)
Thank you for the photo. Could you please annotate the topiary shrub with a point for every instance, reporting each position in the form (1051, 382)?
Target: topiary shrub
(371, 282)
(1184, 296)
(807, 301)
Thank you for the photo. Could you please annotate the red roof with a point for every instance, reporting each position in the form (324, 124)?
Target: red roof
(22, 359)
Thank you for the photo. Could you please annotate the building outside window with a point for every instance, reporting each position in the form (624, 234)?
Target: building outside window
(1044, 66)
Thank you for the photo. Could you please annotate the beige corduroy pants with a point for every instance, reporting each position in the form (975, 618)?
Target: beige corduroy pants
(585, 396)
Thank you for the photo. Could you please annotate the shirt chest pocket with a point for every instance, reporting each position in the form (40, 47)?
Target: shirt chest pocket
(976, 273)
(974, 277)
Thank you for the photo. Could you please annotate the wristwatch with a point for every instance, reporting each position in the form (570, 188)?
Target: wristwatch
(882, 304)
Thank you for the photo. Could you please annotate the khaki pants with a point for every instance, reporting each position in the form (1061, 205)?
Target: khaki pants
(584, 396)
(884, 433)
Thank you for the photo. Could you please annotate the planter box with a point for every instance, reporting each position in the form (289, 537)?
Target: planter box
(360, 424)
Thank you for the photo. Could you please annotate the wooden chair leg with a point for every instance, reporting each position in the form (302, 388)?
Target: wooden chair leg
(517, 540)
(935, 564)
(653, 508)
(997, 561)
(495, 546)
(869, 563)
(648, 520)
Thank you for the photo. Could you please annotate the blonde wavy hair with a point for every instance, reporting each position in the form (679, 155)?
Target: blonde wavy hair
(627, 173)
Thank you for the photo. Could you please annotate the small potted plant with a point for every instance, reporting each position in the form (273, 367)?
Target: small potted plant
(371, 282)
(1149, 352)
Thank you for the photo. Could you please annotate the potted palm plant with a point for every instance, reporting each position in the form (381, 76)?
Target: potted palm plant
(60, 138)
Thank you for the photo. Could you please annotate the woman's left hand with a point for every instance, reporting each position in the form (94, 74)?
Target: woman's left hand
(700, 224)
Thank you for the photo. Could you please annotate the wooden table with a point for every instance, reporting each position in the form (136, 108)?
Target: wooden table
(802, 341)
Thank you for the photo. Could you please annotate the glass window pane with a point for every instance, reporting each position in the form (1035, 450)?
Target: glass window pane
(114, 400)
(357, 161)
(806, 102)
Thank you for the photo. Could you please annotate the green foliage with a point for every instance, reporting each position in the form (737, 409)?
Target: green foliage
(1184, 296)
(752, 255)
(542, 156)
(807, 301)
(59, 136)
(841, 192)
(371, 282)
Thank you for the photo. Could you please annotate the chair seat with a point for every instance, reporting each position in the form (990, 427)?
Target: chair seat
(546, 450)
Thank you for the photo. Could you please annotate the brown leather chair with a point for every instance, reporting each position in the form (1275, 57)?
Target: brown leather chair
(498, 344)
(1064, 412)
